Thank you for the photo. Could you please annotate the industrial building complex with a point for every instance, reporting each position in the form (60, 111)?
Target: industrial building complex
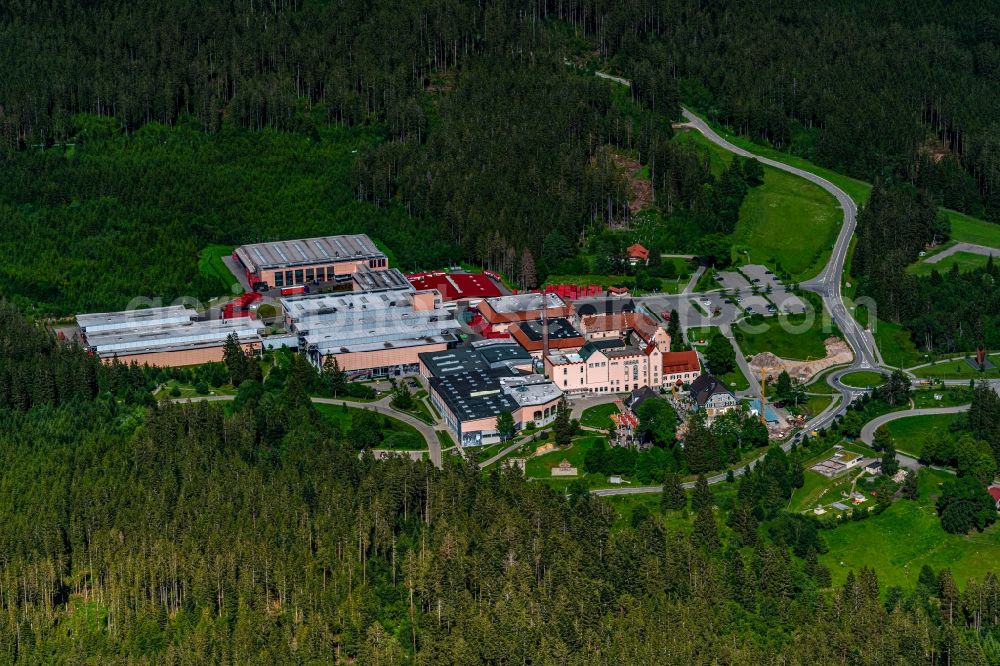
(309, 260)
(474, 385)
(524, 352)
(371, 333)
(170, 336)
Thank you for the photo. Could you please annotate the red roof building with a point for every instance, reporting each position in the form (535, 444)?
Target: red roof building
(683, 367)
(995, 494)
(637, 253)
(456, 286)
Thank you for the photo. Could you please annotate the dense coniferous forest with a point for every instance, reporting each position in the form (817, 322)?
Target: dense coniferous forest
(192, 533)
(944, 312)
(475, 125)
(869, 89)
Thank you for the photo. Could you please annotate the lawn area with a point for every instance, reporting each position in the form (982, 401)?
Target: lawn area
(815, 404)
(907, 536)
(210, 264)
(396, 435)
(909, 434)
(484, 453)
(735, 380)
(598, 416)
(696, 334)
(420, 409)
(783, 336)
(863, 379)
(967, 229)
(718, 159)
(958, 369)
(540, 467)
(788, 223)
(818, 383)
(895, 344)
(951, 396)
(967, 261)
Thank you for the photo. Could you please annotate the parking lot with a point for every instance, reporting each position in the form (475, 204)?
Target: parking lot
(754, 305)
(761, 276)
(787, 303)
(731, 280)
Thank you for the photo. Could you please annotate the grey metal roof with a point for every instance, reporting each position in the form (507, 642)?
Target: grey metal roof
(306, 251)
(384, 280)
(523, 302)
(107, 321)
(171, 337)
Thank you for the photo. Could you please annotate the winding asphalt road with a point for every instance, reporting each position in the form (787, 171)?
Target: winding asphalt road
(827, 284)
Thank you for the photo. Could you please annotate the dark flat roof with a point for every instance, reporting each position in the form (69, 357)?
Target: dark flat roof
(494, 354)
(560, 328)
(473, 395)
(454, 361)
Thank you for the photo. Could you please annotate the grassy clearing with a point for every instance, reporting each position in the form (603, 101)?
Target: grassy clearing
(819, 489)
(210, 265)
(966, 261)
(967, 229)
(951, 396)
(788, 222)
(907, 536)
(895, 343)
(863, 379)
(909, 434)
(958, 369)
(718, 159)
(818, 383)
(396, 435)
(815, 404)
(698, 335)
(784, 336)
(735, 380)
(540, 467)
(598, 416)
